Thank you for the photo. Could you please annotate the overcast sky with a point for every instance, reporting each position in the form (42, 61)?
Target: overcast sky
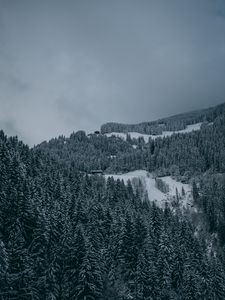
(70, 65)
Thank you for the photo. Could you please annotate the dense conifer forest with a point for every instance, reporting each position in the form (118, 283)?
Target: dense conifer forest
(66, 234)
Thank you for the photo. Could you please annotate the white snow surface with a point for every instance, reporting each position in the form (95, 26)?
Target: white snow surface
(146, 137)
(154, 194)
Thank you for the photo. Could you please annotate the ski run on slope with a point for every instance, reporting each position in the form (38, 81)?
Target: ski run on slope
(170, 191)
(146, 137)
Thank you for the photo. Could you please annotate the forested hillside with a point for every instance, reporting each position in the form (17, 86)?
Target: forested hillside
(67, 234)
(180, 155)
(177, 122)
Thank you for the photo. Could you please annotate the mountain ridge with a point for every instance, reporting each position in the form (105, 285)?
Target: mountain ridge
(174, 122)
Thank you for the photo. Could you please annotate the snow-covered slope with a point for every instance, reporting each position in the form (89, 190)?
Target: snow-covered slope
(146, 137)
(154, 194)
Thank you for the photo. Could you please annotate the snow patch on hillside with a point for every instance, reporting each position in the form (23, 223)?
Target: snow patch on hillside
(136, 135)
(175, 188)
(176, 185)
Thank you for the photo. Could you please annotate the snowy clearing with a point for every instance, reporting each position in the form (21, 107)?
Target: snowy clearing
(168, 193)
(146, 137)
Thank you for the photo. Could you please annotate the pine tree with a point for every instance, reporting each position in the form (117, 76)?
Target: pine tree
(19, 272)
(90, 280)
(127, 251)
(75, 250)
(218, 280)
(165, 263)
(195, 192)
(38, 251)
(3, 270)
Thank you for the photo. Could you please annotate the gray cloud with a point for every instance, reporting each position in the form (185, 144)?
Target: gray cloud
(69, 65)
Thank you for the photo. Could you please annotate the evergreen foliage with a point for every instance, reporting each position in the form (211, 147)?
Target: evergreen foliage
(66, 234)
